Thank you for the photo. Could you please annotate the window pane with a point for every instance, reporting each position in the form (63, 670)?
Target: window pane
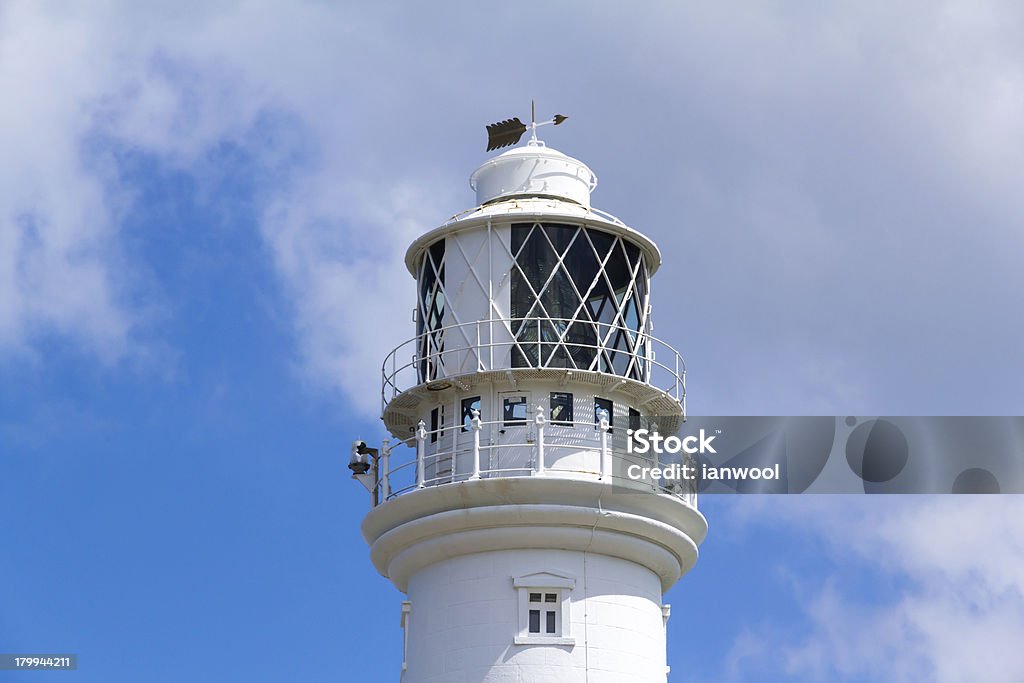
(604, 404)
(541, 288)
(468, 406)
(435, 422)
(621, 354)
(618, 272)
(534, 597)
(514, 411)
(535, 621)
(429, 318)
(602, 310)
(561, 408)
(634, 421)
(550, 597)
(551, 622)
(631, 316)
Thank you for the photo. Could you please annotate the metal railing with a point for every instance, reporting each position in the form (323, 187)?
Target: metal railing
(538, 343)
(589, 210)
(535, 457)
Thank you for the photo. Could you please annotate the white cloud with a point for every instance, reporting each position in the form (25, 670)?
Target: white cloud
(842, 176)
(58, 248)
(957, 616)
(341, 260)
(175, 86)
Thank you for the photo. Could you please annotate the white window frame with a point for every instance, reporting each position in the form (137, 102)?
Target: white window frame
(544, 582)
(406, 613)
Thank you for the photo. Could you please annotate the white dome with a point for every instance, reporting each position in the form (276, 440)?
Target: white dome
(533, 170)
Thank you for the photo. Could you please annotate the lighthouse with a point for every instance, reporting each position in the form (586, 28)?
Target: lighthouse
(503, 504)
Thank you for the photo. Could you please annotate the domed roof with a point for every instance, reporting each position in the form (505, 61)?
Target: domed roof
(533, 170)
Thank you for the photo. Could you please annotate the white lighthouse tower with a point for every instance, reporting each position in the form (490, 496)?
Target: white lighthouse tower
(503, 506)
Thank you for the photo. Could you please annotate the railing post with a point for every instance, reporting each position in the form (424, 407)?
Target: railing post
(654, 437)
(454, 452)
(678, 379)
(603, 425)
(676, 383)
(540, 422)
(476, 426)
(684, 394)
(421, 452)
(651, 353)
(385, 467)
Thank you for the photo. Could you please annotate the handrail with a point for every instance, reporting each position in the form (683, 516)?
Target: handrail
(588, 210)
(449, 465)
(653, 362)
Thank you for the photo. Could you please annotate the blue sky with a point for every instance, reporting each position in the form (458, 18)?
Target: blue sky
(203, 212)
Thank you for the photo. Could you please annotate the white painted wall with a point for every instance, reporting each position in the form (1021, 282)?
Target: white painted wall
(464, 618)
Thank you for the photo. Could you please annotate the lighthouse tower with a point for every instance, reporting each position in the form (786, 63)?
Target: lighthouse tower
(507, 506)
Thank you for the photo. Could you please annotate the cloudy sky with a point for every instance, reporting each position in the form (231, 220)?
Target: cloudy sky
(203, 212)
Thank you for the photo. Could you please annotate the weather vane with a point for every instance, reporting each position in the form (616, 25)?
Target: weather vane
(508, 132)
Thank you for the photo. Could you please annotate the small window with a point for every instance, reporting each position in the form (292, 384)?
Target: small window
(544, 616)
(514, 411)
(634, 419)
(545, 609)
(561, 408)
(436, 422)
(468, 406)
(607, 406)
(406, 612)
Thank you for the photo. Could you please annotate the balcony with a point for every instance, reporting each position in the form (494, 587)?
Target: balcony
(499, 347)
(578, 450)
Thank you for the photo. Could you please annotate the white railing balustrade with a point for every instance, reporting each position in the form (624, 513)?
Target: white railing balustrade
(551, 449)
(552, 343)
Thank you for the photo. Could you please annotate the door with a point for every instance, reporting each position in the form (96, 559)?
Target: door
(514, 443)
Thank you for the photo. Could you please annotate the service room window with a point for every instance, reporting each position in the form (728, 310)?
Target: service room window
(544, 617)
(545, 610)
(607, 406)
(634, 421)
(468, 406)
(561, 408)
(406, 611)
(514, 411)
(436, 423)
